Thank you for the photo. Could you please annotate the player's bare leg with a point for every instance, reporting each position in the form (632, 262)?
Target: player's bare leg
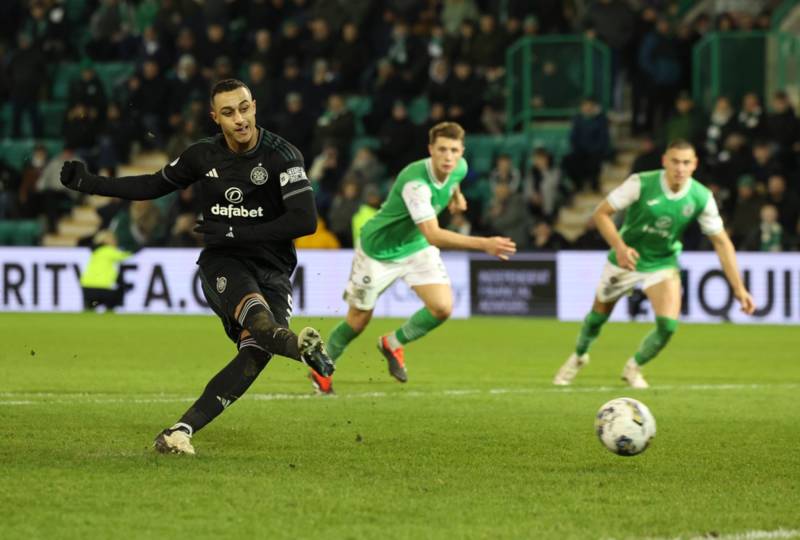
(665, 297)
(589, 332)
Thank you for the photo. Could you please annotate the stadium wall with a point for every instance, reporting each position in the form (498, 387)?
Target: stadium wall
(534, 285)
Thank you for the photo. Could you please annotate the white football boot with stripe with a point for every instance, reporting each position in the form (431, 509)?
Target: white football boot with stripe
(174, 440)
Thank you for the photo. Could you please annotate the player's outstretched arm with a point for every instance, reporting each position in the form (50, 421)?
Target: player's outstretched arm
(727, 258)
(626, 255)
(498, 246)
(136, 188)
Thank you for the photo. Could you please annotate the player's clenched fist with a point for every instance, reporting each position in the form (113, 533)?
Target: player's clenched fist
(75, 176)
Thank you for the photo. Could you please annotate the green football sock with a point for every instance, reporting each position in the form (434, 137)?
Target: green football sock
(589, 331)
(655, 340)
(417, 326)
(340, 337)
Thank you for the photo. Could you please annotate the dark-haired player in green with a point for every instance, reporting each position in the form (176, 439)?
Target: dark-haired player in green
(660, 205)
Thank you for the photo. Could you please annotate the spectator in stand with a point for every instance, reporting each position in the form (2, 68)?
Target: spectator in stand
(321, 85)
(734, 162)
(763, 165)
(295, 124)
(29, 203)
(746, 214)
(264, 51)
(26, 75)
(464, 45)
(660, 64)
(493, 114)
(325, 173)
(640, 97)
(371, 201)
(505, 172)
(649, 156)
(438, 73)
(292, 81)
(398, 140)
(350, 59)
(455, 12)
(335, 126)
(88, 90)
(116, 137)
(787, 204)
(215, 46)
(320, 42)
(545, 238)
(185, 135)
(9, 191)
(185, 82)
(590, 143)
(183, 217)
(751, 117)
(768, 234)
(783, 127)
(512, 31)
(262, 91)
(151, 46)
(366, 167)
(465, 92)
(290, 44)
(542, 184)
(55, 199)
(490, 50)
(507, 214)
(80, 131)
(614, 21)
(721, 124)
(685, 123)
(110, 29)
(186, 45)
(345, 205)
(148, 99)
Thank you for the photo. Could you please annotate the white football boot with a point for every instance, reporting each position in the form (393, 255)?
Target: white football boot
(570, 369)
(174, 441)
(632, 374)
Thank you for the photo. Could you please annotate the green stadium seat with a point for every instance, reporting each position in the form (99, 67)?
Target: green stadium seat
(418, 110)
(16, 152)
(63, 74)
(480, 152)
(360, 106)
(27, 232)
(363, 141)
(112, 74)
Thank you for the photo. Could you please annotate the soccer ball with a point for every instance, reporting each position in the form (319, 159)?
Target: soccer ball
(625, 426)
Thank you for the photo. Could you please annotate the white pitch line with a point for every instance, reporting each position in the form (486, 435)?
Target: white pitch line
(33, 398)
(744, 535)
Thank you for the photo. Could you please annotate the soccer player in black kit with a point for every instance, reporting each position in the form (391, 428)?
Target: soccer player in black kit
(256, 199)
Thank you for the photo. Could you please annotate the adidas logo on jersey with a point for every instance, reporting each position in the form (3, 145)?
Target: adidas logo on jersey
(212, 173)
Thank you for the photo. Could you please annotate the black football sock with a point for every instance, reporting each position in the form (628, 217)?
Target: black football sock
(226, 387)
(257, 318)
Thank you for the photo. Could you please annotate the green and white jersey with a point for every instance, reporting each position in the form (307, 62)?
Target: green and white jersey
(657, 217)
(416, 196)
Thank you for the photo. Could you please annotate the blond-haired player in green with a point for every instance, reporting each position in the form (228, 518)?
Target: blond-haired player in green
(660, 205)
(402, 241)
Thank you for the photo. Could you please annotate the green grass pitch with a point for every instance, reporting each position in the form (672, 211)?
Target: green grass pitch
(478, 444)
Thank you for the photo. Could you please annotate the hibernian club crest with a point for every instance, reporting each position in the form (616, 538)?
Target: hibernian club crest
(688, 210)
(258, 175)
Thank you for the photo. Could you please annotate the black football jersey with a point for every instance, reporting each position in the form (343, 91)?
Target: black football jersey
(243, 189)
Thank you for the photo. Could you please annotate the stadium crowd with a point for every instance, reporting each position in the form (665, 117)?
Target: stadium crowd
(312, 65)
